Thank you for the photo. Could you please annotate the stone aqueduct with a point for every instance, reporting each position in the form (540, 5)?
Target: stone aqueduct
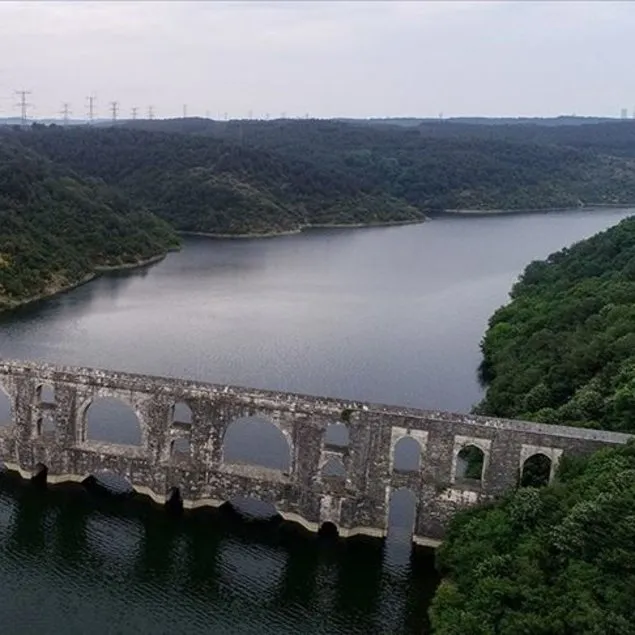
(356, 503)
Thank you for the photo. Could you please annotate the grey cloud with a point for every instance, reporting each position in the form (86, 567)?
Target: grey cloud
(326, 58)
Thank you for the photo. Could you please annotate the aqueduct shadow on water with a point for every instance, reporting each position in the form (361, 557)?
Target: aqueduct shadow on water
(341, 466)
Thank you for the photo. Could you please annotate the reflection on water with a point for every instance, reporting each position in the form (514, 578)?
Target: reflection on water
(105, 565)
(390, 315)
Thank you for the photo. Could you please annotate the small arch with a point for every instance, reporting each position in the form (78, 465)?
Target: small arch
(470, 462)
(334, 468)
(345, 415)
(256, 441)
(110, 482)
(536, 471)
(45, 394)
(6, 409)
(46, 426)
(336, 435)
(407, 455)
(180, 448)
(328, 530)
(113, 421)
(181, 413)
(250, 508)
(402, 512)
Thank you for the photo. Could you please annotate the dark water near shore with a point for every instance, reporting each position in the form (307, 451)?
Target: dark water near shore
(387, 315)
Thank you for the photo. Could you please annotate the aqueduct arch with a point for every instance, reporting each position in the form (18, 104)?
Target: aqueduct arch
(358, 503)
(6, 407)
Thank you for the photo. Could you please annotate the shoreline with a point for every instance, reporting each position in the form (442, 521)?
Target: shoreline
(97, 271)
(536, 210)
(104, 269)
(304, 228)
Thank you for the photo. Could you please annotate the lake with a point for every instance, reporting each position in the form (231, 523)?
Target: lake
(391, 315)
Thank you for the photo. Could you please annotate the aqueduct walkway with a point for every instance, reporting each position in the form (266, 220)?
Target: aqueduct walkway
(356, 502)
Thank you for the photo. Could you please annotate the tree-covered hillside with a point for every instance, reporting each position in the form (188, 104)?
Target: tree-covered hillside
(554, 561)
(453, 166)
(56, 228)
(254, 177)
(563, 350)
(616, 138)
(210, 185)
(259, 178)
(559, 560)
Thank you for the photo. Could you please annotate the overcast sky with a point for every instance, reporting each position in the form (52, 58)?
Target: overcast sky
(328, 59)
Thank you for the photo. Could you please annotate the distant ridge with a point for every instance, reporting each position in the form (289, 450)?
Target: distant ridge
(562, 120)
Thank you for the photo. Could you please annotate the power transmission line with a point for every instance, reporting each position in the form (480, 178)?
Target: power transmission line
(134, 113)
(114, 107)
(150, 112)
(24, 106)
(65, 112)
(91, 108)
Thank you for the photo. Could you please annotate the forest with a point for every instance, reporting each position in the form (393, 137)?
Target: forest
(450, 164)
(57, 229)
(259, 178)
(209, 185)
(560, 559)
(563, 349)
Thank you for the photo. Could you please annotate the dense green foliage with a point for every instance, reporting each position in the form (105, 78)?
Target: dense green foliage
(259, 177)
(209, 185)
(553, 561)
(615, 138)
(56, 228)
(563, 349)
(266, 177)
(561, 559)
(449, 166)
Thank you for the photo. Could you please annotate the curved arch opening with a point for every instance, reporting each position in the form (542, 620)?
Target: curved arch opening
(536, 471)
(6, 409)
(46, 426)
(111, 420)
(180, 448)
(110, 482)
(407, 455)
(256, 441)
(181, 414)
(328, 530)
(45, 394)
(470, 462)
(334, 468)
(402, 513)
(250, 508)
(336, 435)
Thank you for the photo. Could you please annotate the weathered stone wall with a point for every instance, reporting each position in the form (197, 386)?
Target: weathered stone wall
(356, 503)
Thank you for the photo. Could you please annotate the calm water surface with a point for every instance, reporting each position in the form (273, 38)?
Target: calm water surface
(387, 315)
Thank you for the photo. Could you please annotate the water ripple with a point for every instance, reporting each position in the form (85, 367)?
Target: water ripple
(78, 562)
